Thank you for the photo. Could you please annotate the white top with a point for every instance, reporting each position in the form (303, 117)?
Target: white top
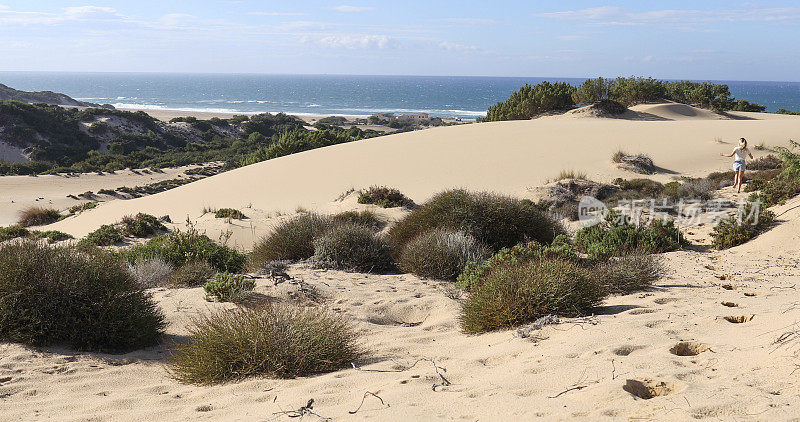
(741, 154)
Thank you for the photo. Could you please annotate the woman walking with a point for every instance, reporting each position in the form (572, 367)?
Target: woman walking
(739, 163)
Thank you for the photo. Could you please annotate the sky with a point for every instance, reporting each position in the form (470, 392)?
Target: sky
(724, 40)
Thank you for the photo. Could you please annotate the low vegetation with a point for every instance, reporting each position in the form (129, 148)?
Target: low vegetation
(151, 272)
(106, 235)
(141, 225)
(180, 247)
(38, 216)
(610, 239)
(227, 287)
(229, 213)
(384, 197)
(735, 230)
(497, 221)
(785, 184)
(352, 247)
(274, 341)
(192, 273)
(85, 300)
(292, 240)
(365, 218)
(441, 254)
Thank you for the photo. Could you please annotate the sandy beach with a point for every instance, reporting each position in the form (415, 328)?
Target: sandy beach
(573, 369)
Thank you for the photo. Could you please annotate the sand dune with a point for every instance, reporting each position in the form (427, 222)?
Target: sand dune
(501, 156)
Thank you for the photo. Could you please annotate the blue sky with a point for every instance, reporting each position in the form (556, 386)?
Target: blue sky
(668, 39)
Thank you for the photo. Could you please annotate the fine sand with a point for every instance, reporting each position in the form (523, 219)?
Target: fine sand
(576, 369)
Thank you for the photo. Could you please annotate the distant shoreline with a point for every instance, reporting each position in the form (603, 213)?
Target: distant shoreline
(168, 114)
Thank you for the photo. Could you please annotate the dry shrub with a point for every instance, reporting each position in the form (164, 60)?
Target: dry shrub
(38, 216)
(517, 293)
(628, 273)
(352, 247)
(151, 272)
(273, 341)
(384, 197)
(86, 300)
(365, 218)
(291, 240)
(441, 254)
(192, 273)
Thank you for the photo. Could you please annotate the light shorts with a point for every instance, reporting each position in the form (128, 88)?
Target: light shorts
(738, 166)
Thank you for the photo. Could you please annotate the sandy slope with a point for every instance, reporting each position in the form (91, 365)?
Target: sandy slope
(501, 156)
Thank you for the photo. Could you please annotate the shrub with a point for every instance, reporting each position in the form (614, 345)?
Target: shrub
(354, 248)
(59, 295)
(227, 287)
(151, 272)
(192, 273)
(735, 230)
(291, 240)
(638, 188)
(106, 235)
(639, 163)
(38, 216)
(385, 197)
(787, 183)
(495, 220)
(12, 232)
(514, 294)
(561, 249)
(179, 247)
(141, 225)
(768, 162)
(627, 273)
(229, 213)
(274, 341)
(441, 254)
(365, 218)
(606, 240)
(52, 236)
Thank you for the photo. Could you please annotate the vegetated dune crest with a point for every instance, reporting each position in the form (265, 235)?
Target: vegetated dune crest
(505, 157)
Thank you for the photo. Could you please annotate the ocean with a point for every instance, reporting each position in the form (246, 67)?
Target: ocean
(445, 96)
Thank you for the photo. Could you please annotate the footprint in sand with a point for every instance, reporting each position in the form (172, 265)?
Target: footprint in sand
(738, 319)
(626, 350)
(647, 388)
(688, 348)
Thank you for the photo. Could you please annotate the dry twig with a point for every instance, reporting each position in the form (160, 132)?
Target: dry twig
(368, 393)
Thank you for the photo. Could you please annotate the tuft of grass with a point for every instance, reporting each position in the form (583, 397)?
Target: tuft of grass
(38, 216)
(273, 341)
(441, 254)
(352, 247)
(497, 221)
(151, 272)
(230, 213)
(571, 174)
(385, 197)
(290, 240)
(86, 300)
(192, 273)
(227, 287)
(365, 218)
(618, 156)
(514, 294)
(141, 225)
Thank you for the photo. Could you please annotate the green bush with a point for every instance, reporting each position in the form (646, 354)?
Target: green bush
(192, 273)
(227, 287)
(385, 197)
(605, 240)
(179, 247)
(106, 235)
(86, 300)
(141, 225)
(738, 229)
(627, 273)
(495, 220)
(12, 232)
(441, 254)
(365, 218)
(513, 294)
(38, 216)
(530, 101)
(52, 236)
(290, 240)
(352, 247)
(274, 341)
(473, 273)
(787, 183)
(229, 213)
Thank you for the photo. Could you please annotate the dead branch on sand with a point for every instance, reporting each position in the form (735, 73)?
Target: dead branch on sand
(403, 368)
(368, 393)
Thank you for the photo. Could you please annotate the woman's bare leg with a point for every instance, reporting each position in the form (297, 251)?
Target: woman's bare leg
(740, 177)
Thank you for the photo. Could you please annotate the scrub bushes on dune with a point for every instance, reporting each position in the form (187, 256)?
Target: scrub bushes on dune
(352, 247)
(274, 341)
(496, 220)
(605, 240)
(441, 254)
(192, 273)
(738, 229)
(229, 213)
(106, 235)
(385, 197)
(141, 225)
(83, 299)
(38, 216)
(227, 287)
(151, 272)
(290, 240)
(365, 218)
(13, 232)
(179, 247)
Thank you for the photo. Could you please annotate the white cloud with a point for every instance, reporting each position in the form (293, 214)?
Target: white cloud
(347, 8)
(613, 15)
(451, 46)
(277, 13)
(79, 13)
(350, 41)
